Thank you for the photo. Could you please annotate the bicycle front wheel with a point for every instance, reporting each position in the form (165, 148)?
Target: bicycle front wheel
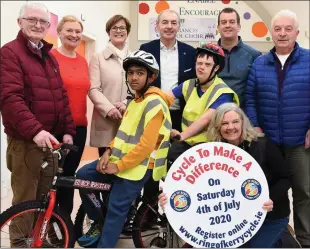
(17, 224)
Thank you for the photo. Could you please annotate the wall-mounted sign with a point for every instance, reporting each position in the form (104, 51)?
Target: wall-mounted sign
(198, 18)
(197, 29)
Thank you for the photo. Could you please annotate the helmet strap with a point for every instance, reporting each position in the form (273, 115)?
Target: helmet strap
(146, 85)
(210, 78)
(131, 95)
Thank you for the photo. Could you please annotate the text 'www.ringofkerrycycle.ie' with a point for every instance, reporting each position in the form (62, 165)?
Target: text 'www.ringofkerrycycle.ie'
(245, 234)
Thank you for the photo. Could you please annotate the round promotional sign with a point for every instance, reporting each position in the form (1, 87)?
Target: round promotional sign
(216, 192)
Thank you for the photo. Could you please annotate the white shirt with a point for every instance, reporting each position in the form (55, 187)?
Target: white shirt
(38, 47)
(169, 70)
(283, 58)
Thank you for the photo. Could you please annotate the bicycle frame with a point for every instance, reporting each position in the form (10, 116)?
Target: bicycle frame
(49, 200)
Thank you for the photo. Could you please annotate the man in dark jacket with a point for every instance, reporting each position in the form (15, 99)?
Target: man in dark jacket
(238, 55)
(177, 64)
(176, 60)
(278, 103)
(33, 104)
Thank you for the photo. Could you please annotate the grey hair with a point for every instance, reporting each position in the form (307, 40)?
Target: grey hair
(213, 133)
(285, 13)
(34, 6)
(168, 11)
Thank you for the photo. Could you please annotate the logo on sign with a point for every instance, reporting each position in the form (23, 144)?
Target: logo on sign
(180, 201)
(251, 189)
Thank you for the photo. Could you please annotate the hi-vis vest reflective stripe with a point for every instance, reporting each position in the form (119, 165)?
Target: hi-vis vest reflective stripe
(136, 118)
(196, 106)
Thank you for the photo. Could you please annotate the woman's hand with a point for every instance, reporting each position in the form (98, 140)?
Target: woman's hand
(162, 200)
(114, 114)
(268, 205)
(121, 107)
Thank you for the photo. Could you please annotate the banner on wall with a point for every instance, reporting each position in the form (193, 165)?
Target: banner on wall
(215, 193)
(51, 35)
(198, 29)
(198, 16)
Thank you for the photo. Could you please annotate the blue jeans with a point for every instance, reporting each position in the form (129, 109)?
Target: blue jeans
(268, 235)
(123, 193)
(89, 172)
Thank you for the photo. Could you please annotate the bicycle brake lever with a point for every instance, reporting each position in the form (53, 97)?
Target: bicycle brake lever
(59, 154)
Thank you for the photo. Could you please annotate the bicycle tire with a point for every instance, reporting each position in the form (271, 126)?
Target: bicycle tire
(78, 222)
(137, 231)
(64, 224)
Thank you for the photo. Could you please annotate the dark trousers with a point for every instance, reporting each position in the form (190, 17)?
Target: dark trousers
(151, 188)
(268, 235)
(176, 119)
(101, 150)
(65, 195)
(89, 172)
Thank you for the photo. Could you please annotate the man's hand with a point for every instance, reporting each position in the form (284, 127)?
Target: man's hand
(307, 141)
(45, 139)
(104, 160)
(114, 114)
(111, 168)
(67, 139)
(121, 107)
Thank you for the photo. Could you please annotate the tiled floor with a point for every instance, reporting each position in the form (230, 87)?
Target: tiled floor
(123, 243)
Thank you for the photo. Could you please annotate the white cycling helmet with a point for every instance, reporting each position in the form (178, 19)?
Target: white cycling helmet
(141, 57)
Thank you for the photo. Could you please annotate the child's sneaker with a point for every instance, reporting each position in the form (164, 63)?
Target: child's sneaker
(91, 237)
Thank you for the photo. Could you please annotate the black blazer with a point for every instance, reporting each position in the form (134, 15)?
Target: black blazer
(186, 60)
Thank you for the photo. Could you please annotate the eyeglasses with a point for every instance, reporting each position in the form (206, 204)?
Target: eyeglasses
(34, 21)
(120, 28)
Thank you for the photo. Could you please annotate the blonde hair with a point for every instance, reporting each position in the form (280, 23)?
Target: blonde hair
(68, 18)
(214, 134)
(286, 13)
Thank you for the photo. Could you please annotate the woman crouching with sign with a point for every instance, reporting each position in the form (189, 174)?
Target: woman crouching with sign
(230, 125)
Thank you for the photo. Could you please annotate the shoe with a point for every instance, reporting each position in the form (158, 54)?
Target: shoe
(91, 237)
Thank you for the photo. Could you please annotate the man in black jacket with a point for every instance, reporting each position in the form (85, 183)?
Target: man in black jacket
(176, 60)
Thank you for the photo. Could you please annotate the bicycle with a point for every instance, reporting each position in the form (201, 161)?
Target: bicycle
(146, 232)
(44, 225)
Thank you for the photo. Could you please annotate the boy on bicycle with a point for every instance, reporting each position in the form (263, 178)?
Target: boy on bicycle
(202, 96)
(138, 151)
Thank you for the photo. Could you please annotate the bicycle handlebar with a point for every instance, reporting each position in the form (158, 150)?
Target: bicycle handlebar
(177, 137)
(61, 150)
(64, 146)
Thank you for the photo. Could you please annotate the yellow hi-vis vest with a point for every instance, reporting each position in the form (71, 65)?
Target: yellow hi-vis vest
(136, 118)
(196, 106)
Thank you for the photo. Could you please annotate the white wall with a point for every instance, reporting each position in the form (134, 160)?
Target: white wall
(301, 8)
(265, 9)
(95, 13)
